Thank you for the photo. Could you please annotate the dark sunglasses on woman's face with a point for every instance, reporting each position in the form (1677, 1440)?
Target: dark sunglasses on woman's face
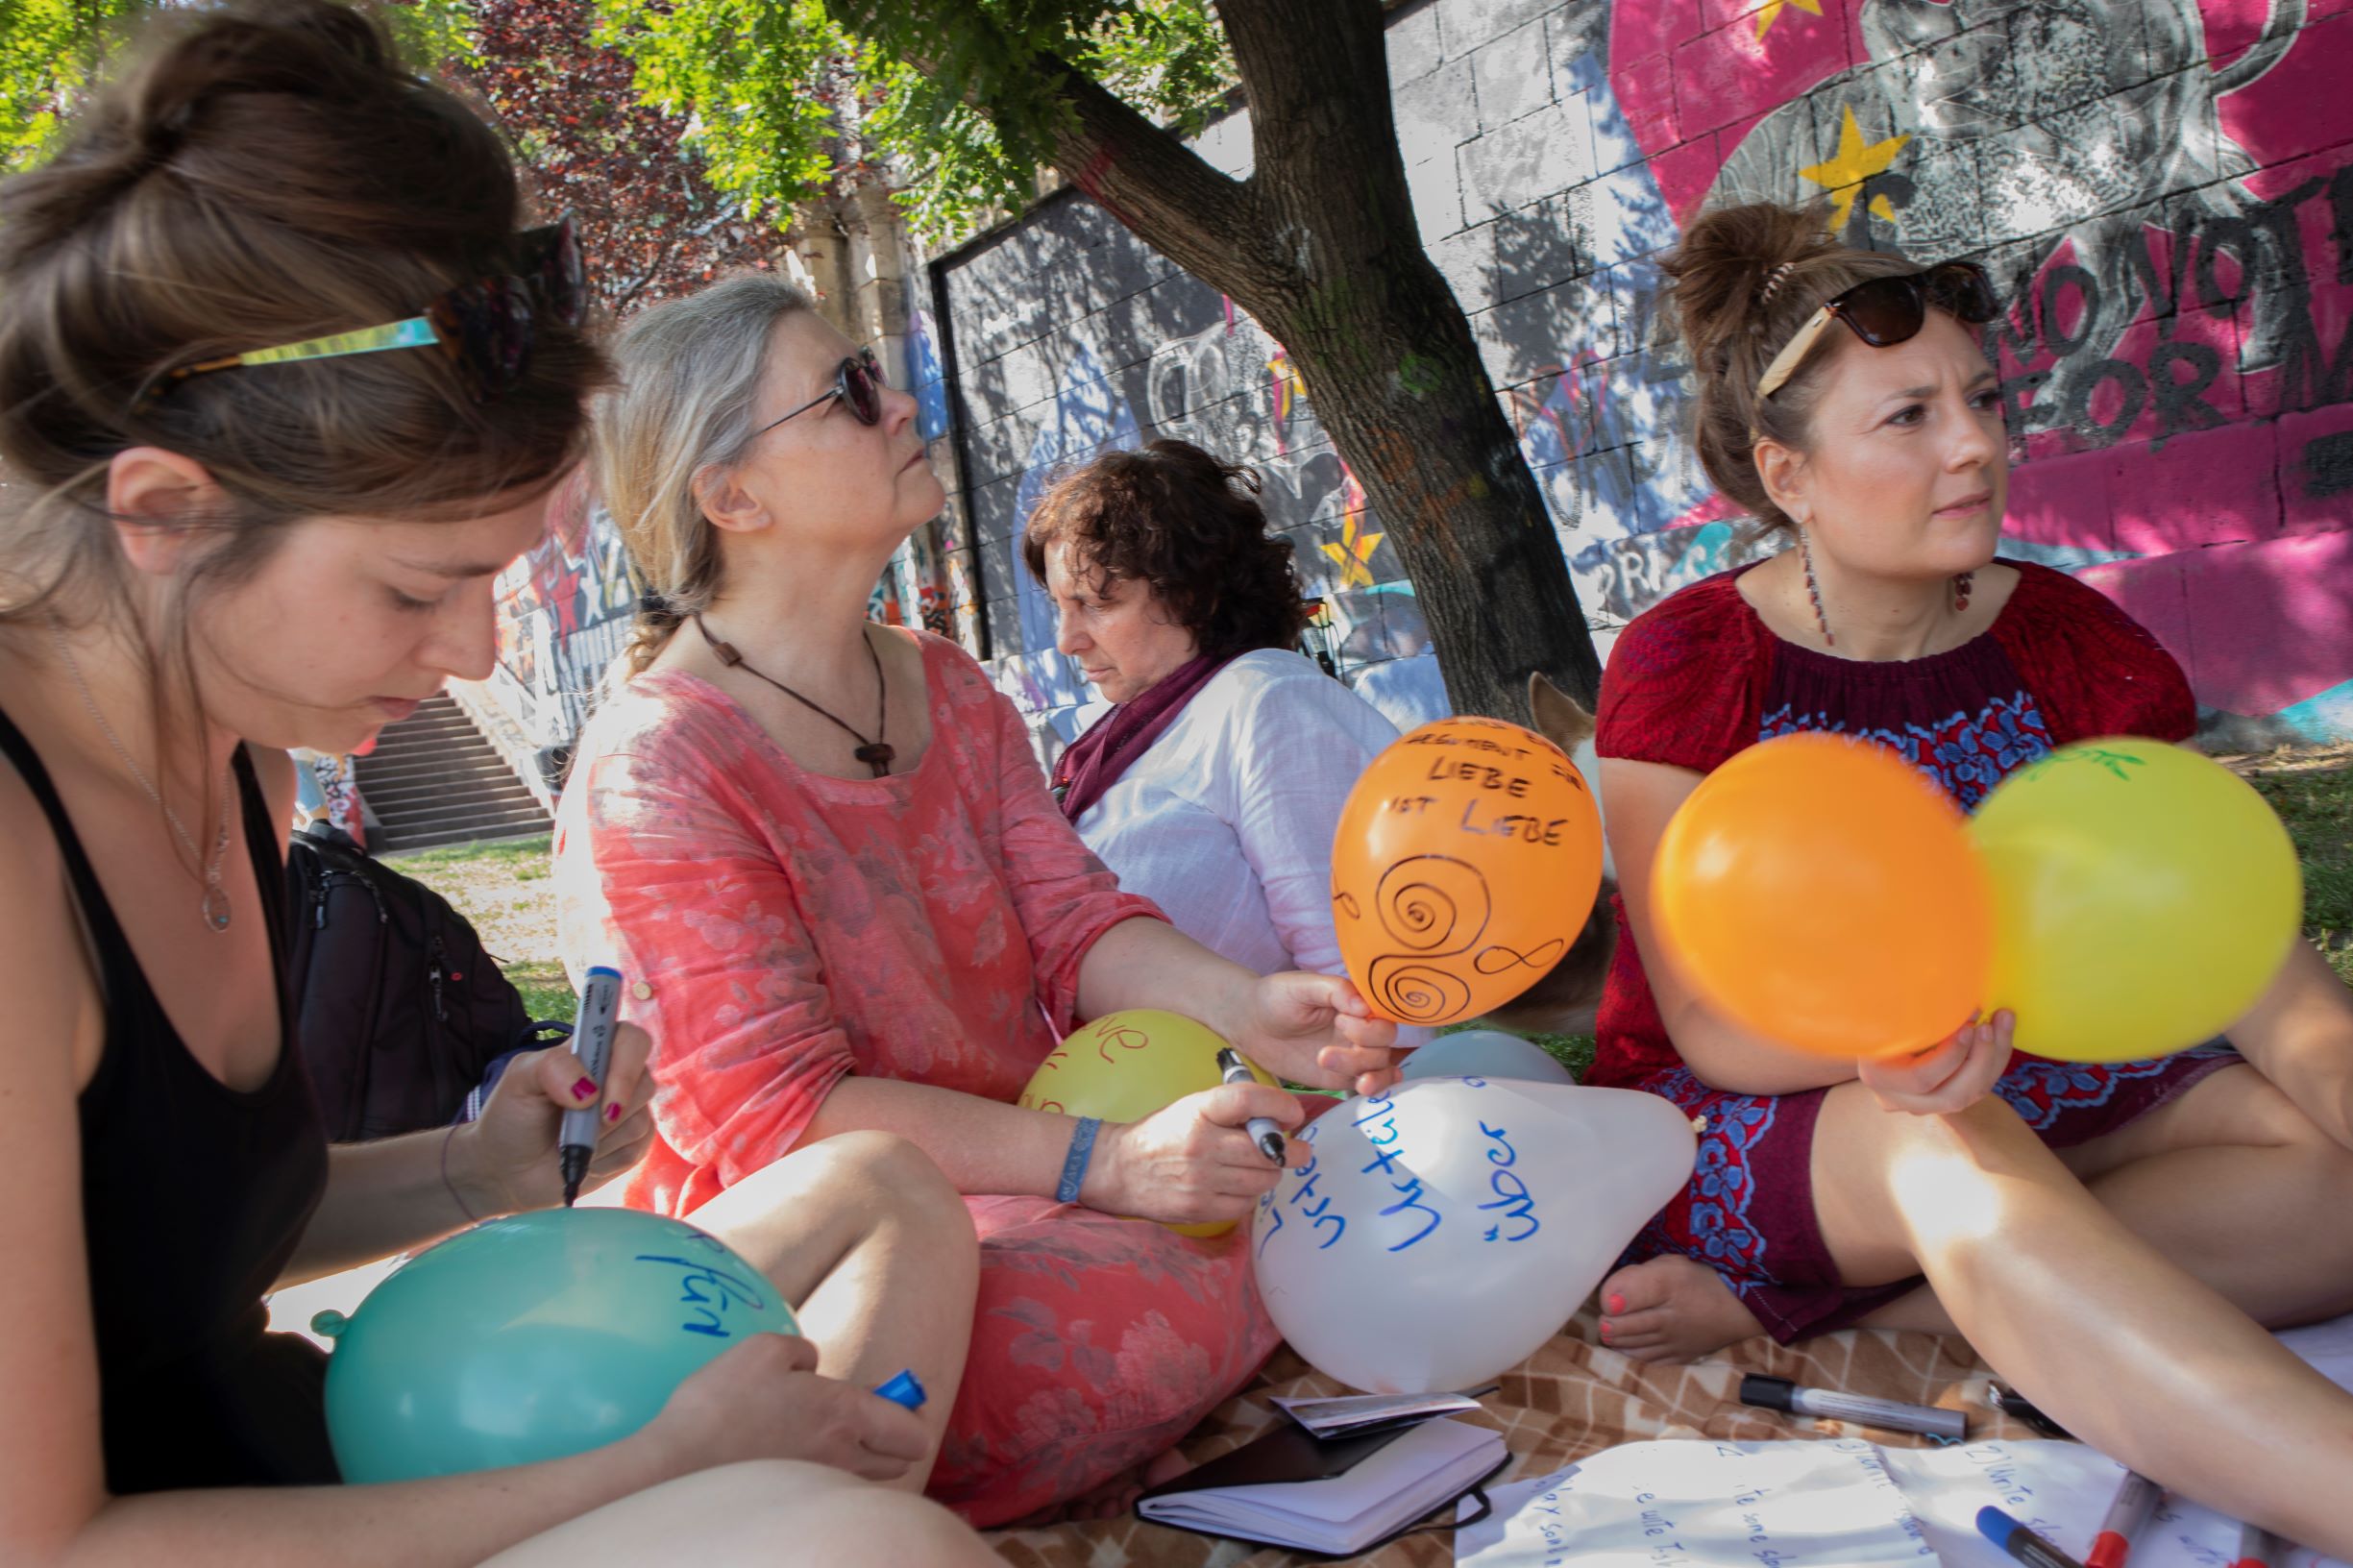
(1885, 311)
(485, 327)
(857, 381)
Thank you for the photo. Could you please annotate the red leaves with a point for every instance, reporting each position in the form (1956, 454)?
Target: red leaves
(650, 225)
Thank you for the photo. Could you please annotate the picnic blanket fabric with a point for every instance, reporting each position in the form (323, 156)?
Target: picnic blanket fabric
(1571, 1399)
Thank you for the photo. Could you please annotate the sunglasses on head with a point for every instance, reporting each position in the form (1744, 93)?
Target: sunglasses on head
(857, 381)
(1885, 311)
(485, 327)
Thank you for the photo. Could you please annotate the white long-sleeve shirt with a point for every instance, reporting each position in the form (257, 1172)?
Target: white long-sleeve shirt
(1227, 821)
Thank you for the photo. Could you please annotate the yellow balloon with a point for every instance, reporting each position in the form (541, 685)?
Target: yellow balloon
(2144, 899)
(1125, 1065)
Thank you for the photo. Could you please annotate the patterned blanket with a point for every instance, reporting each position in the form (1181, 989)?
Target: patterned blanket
(1570, 1399)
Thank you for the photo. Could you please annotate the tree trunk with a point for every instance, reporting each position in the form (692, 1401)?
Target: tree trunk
(1321, 246)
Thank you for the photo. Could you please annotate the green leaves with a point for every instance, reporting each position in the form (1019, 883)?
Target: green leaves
(49, 51)
(961, 96)
(52, 50)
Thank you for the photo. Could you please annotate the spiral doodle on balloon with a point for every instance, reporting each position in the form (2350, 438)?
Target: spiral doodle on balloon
(1424, 898)
(1496, 958)
(1346, 903)
(1437, 907)
(1415, 992)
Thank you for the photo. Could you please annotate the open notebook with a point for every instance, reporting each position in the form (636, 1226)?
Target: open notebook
(1401, 1477)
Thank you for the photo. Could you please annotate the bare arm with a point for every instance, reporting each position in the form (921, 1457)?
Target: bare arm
(1190, 1162)
(396, 1193)
(1643, 798)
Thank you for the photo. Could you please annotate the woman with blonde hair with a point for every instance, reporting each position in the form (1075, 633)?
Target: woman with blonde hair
(2108, 1236)
(281, 389)
(827, 853)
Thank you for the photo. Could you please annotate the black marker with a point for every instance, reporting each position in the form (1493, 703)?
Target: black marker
(1264, 1130)
(1781, 1394)
(592, 1041)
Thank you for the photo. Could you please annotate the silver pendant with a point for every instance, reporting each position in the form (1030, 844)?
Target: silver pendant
(217, 907)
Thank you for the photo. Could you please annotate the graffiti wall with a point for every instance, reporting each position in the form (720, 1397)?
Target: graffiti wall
(564, 611)
(2163, 188)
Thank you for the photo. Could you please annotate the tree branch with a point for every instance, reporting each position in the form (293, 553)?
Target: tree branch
(1317, 74)
(1142, 174)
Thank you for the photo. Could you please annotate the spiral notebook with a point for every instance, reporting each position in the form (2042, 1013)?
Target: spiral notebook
(1330, 1498)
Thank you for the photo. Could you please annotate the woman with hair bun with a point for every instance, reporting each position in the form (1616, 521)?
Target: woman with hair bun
(2109, 1235)
(281, 389)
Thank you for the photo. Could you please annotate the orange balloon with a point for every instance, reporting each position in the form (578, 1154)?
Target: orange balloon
(1466, 862)
(1823, 893)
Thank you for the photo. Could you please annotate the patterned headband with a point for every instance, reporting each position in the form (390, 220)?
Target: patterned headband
(1764, 296)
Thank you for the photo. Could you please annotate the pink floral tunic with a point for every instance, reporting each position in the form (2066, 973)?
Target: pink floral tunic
(781, 928)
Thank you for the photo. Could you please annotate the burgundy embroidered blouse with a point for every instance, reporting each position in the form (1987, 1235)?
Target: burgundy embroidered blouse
(1700, 676)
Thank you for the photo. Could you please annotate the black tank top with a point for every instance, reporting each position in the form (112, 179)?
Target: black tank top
(193, 1196)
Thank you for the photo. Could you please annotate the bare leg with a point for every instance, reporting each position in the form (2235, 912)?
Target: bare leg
(2230, 1181)
(2091, 1323)
(876, 1252)
(773, 1514)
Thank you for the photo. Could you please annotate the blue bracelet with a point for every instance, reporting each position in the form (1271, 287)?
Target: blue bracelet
(1074, 1164)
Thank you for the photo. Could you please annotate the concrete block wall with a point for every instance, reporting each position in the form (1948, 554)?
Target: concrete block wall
(2164, 189)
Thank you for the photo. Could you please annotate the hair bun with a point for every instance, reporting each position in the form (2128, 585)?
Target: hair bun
(1727, 263)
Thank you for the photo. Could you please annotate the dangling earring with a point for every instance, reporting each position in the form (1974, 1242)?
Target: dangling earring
(1960, 592)
(1813, 589)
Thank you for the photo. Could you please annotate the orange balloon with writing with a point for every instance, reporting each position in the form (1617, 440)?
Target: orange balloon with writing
(1823, 893)
(1466, 862)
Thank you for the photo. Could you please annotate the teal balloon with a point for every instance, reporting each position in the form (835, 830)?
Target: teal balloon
(1485, 1053)
(533, 1337)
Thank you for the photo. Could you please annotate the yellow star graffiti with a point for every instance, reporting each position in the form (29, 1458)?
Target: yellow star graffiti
(1772, 10)
(1843, 174)
(1352, 551)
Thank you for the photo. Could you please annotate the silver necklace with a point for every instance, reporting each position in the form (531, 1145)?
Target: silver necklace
(216, 897)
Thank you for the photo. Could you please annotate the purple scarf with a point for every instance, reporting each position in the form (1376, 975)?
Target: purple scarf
(1093, 761)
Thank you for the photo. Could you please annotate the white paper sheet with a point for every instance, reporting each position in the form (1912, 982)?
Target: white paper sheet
(1780, 1505)
(1665, 1504)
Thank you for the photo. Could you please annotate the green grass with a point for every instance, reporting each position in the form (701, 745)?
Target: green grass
(526, 857)
(2317, 807)
(503, 888)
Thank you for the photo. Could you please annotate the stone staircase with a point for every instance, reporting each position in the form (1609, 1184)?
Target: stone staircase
(432, 779)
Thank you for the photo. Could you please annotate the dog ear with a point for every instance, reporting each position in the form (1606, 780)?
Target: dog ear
(1555, 715)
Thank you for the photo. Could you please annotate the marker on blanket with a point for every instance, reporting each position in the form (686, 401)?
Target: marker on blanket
(1781, 1394)
(1263, 1130)
(904, 1389)
(2135, 1501)
(2019, 1542)
(592, 1041)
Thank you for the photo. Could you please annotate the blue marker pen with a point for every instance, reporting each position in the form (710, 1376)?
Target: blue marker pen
(903, 1388)
(1264, 1130)
(2019, 1542)
(592, 1041)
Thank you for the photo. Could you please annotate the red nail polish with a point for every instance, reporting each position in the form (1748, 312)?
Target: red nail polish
(585, 1089)
(1617, 1304)
(612, 1112)
(1605, 1328)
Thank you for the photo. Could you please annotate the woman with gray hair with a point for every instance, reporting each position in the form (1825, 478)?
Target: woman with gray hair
(825, 849)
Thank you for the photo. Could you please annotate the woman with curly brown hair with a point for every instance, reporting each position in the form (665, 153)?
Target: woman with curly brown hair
(1214, 784)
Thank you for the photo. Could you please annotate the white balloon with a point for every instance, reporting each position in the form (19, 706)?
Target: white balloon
(1438, 1234)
